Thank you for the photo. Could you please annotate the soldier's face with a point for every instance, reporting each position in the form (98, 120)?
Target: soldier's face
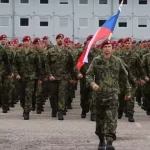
(60, 41)
(107, 50)
(4, 41)
(128, 44)
(27, 43)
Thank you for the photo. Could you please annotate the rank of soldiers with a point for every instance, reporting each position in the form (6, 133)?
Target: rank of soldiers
(116, 74)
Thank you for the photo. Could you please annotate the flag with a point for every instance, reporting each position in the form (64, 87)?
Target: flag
(105, 31)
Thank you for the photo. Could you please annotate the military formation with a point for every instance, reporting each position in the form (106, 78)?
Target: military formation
(116, 74)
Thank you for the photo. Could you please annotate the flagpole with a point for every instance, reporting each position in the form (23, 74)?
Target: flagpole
(112, 33)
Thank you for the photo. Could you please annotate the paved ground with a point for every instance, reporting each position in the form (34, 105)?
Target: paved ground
(42, 132)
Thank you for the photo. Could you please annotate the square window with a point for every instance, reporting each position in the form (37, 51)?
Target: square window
(83, 22)
(142, 2)
(142, 22)
(43, 22)
(101, 22)
(24, 1)
(83, 1)
(24, 21)
(4, 1)
(63, 1)
(43, 1)
(122, 22)
(102, 1)
(63, 22)
(4, 21)
(124, 2)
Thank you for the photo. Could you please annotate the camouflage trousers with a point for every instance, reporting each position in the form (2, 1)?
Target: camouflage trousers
(40, 95)
(85, 93)
(138, 94)
(26, 93)
(1, 91)
(106, 117)
(7, 92)
(71, 93)
(126, 106)
(92, 102)
(58, 94)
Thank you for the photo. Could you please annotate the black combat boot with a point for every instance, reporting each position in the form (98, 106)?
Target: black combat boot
(26, 116)
(69, 106)
(93, 118)
(148, 112)
(4, 110)
(54, 113)
(101, 145)
(131, 119)
(109, 146)
(60, 116)
(83, 114)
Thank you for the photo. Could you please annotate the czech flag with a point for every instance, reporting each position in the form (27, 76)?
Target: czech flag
(105, 31)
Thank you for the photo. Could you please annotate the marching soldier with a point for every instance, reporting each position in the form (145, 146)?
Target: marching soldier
(107, 70)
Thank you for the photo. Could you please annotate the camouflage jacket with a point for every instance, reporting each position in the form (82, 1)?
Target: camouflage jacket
(43, 63)
(106, 73)
(146, 66)
(61, 64)
(26, 64)
(5, 67)
(133, 61)
(10, 54)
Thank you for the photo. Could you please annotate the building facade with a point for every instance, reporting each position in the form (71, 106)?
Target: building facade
(74, 18)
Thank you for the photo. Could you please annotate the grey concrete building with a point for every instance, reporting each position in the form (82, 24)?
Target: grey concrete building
(74, 18)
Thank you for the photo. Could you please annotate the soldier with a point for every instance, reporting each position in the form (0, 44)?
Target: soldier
(43, 76)
(132, 60)
(85, 89)
(7, 83)
(146, 88)
(61, 64)
(27, 71)
(107, 70)
(5, 69)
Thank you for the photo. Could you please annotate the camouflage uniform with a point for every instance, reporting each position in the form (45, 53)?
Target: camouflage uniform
(85, 89)
(132, 60)
(146, 87)
(5, 69)
(61, 64)
(45, 72)
(107, 73)
(27, 66)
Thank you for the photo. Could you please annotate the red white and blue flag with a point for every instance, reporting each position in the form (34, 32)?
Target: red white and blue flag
(105, 31)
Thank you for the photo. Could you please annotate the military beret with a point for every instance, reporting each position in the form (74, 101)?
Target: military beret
(120, 41)
(59, 35)
(45, 38)
(3, 36)
(36, 40)
(128, 39)
(66, 40)
(134, 41)
(9, 43)
(105, 42)
(15, 40)
(20, 45)
(26, 38)
(89, 37)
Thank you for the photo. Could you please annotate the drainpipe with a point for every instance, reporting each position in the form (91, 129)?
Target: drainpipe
(73, 18)
(13, 19)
